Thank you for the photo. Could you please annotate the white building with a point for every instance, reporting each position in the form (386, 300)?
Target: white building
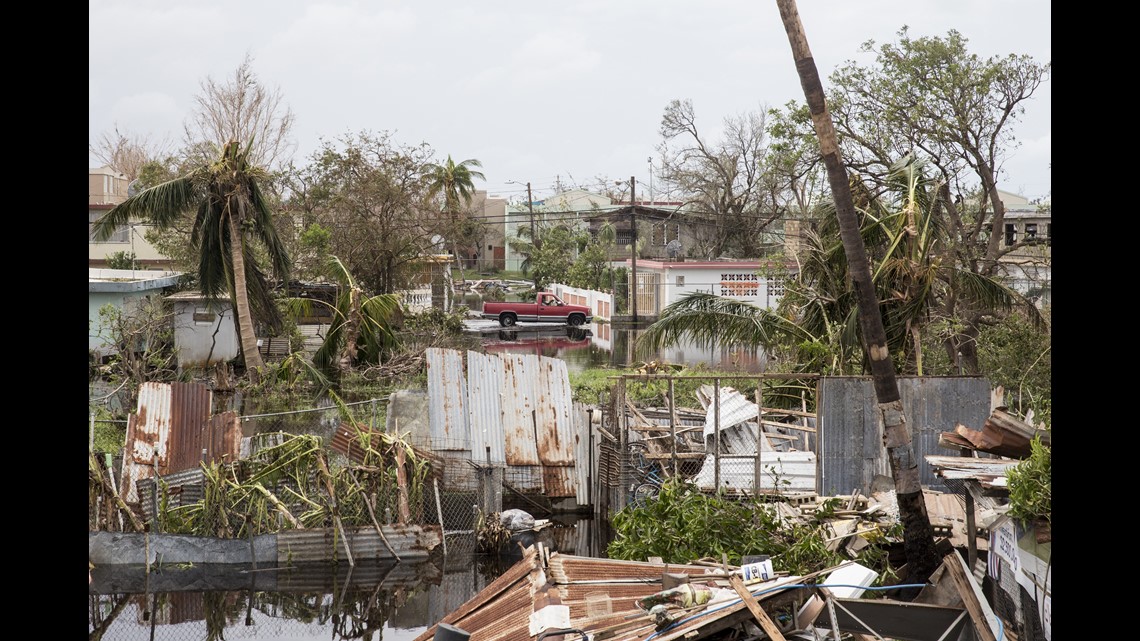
(660, 283)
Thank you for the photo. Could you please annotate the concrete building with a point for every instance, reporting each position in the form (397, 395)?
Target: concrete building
(124, 289)
(660, 283)
(105, 189)
(1028, 234)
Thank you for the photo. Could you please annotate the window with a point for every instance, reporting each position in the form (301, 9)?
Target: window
(1030, 230)
(1010, 234)
(680, 280)
(664, 233)
(121, 235)
(203, 316)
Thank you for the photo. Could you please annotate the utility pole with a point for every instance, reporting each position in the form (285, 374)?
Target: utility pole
(633, 235)
(533, 236)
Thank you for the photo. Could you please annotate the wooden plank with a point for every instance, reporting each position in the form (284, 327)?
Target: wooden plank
(966, 588)
(790, 426)
(766, 622)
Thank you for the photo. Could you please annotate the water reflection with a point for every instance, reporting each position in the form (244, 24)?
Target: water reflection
(393, 601)
(602, 345)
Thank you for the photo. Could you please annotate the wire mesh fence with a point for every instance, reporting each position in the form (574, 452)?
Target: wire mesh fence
(378, 477)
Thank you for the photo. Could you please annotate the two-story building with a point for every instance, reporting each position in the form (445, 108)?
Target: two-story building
(1028, 233)
(105, 189)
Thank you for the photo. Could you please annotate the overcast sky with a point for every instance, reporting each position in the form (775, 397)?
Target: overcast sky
(538, 91)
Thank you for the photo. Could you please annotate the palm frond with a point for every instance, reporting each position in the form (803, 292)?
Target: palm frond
(705, 319)
(159, 205)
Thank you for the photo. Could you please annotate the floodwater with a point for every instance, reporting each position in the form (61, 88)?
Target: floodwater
(391, 601)
(602, 345)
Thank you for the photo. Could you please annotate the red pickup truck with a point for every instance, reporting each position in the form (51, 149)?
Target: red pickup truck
(546, 308)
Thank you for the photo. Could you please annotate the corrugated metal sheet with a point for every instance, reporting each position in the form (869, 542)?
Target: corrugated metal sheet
(169, 430)
(518, 409)
(485, 375)
(558, 481)
(851, 448)
(325, 545)
(585, 455)
(148, 434)
(734, 408)
(555, 433)
(447, 389)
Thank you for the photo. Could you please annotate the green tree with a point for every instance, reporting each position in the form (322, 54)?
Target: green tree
(932, 98)
(369, 192)
(231, 217)
(122, 260)
(593, 269)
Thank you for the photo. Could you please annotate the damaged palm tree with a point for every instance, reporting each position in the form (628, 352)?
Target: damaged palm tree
(918, 537)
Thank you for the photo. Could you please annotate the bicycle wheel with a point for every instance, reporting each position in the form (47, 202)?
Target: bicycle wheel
(643, 493)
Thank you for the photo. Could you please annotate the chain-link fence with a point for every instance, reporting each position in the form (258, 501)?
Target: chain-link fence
(290, 463)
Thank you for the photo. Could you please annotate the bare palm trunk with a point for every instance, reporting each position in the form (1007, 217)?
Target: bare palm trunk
(244, 317)
(351, 331)
(918, 537)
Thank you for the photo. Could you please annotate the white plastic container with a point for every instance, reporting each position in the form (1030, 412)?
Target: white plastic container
(761, 571)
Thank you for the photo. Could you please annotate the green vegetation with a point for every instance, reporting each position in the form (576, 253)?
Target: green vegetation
(1031, 485)
(682, 525)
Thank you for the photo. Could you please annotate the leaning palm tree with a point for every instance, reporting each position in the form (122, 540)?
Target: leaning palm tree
(455, 181)
(231, 217)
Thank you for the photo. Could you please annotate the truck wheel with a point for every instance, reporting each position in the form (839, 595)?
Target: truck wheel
(576, 320)
(507, 320)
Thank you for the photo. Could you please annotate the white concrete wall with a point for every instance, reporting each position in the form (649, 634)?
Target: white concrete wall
(602, 303)
(202, 343)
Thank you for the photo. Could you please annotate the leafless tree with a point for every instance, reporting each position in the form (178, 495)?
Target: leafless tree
(724, 182)
(241, 109)
(127, 152)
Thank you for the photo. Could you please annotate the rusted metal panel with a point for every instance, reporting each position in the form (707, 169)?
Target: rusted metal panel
(555, 432)
(447, 389)
(558, 481)
(850, 433)
(325, 544)
(485, 375)
(148, 434)
(585, 454)
(518, 391)
(189, 425)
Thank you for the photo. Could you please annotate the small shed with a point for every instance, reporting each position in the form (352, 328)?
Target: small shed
(204, 331)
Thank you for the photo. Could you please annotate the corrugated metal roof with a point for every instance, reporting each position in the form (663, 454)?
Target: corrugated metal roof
(734, 409)
(148, 433)
(170, 428)
(447, 389)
